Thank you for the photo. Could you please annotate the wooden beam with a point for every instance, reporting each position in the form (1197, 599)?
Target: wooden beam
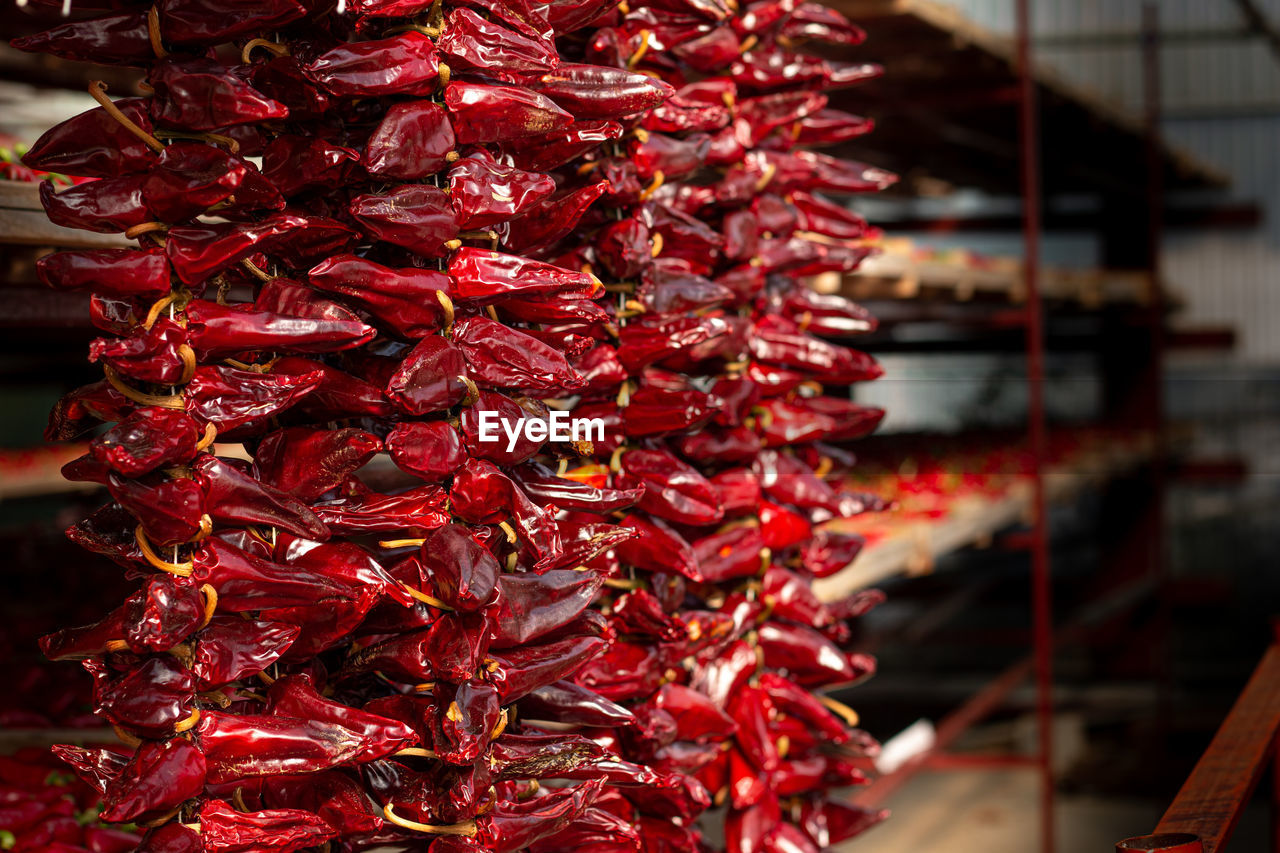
(1212, 799)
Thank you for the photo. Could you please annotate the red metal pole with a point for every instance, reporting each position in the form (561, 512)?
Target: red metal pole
(1041, 579)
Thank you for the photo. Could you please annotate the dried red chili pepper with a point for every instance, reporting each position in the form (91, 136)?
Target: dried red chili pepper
(223, 828)
(403, 64)
(501, 357)
(483, 112)
(403, 299)
(673, 489)
(110, 40)
(107, 205)
(307, 462)
(202, 94)
(159, 777)
(471, 43)
(414, 140)
(95, 144)
(120, 272)
(415, 216)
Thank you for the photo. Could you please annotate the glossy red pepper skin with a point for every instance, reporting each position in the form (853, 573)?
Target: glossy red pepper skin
(95, 145)
(485, 192)
(429, 378)
(573, 704)
(463, 735)
(453, 567)
(483, 494)
(507, 409)
(201, 94)
(146, 440)
(307, 462)
(402, 299)
(736, 552)
(432, 451)
(245, 582)
(414, 140)
(294, 164)
(171, 838)
(337, 393)
(673, 490)
(482, 112)
(471, 43)
(601, 92)
(233, 744)
(107, 205)
(530, 606)
(199, 22)
(551, 219)
(514, 826)
(549, 149)
(545, 488)
(501, 357)
(231, 648)
(658, 548)
(159, 777)
(168, 510)
(120, 272)
(809, 656)
(404, 64)
(224, 828)
(421, 508)
(165, 612)
(109, 40)
(148, 697)
(782, 528)
(198, 251)
(522, 670)
(151, 355)
(417, 217)
(230, 398)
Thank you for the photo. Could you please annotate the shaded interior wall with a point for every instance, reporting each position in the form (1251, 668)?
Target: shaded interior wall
(1221, 102)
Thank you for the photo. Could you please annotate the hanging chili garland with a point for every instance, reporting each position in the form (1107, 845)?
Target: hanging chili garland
(464, 208)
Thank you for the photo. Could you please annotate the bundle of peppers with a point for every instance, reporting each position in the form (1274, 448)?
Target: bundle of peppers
(361, 227)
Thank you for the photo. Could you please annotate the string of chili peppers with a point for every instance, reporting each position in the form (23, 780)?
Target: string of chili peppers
(421, 686)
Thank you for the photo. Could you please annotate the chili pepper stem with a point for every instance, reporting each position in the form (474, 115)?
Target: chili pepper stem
(426, 599)
(840, 709)
(210, 603)
(467, 828)
(401, 543)
(183, 570)
(415, 751)
(635, 58)
(98, 90)
(210, 435)
(153, 33)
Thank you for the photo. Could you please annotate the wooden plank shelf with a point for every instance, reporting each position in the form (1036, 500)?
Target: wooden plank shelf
(899, 272)
(23, 223)
(913, 547)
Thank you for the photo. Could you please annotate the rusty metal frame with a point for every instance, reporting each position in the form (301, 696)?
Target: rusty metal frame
(1208, 807)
